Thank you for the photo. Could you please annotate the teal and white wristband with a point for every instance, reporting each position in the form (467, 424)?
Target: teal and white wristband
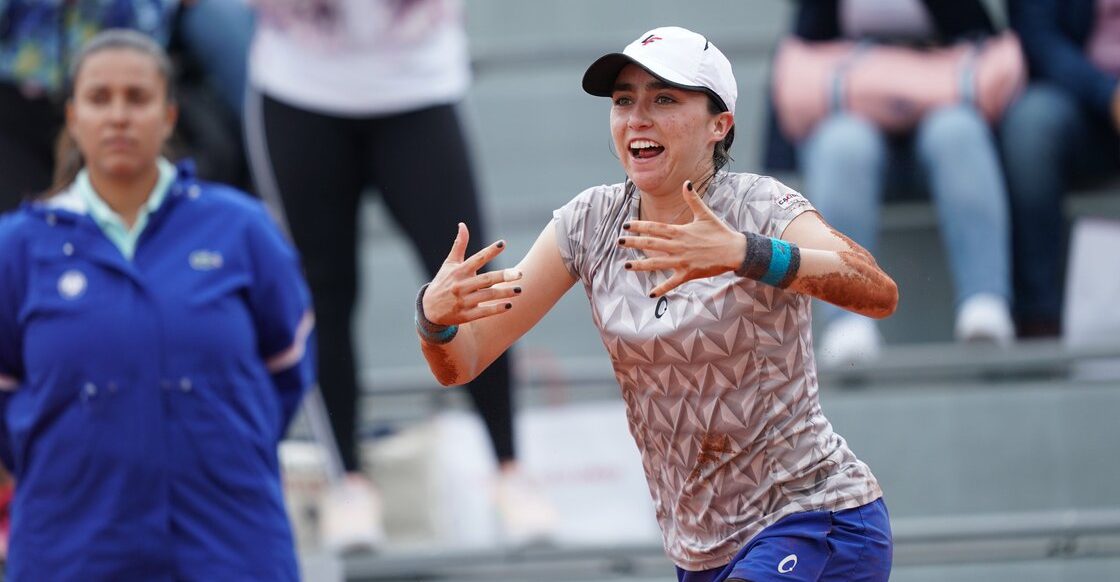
(432, 333)
(770, 260)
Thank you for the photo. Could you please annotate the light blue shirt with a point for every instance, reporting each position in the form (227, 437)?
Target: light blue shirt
(110, 222)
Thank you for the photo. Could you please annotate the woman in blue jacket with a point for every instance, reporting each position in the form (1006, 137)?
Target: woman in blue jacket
(155, 340)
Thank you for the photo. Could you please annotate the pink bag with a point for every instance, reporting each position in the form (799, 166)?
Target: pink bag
(892, 86)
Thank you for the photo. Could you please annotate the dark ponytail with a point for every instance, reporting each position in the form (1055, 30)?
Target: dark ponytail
(68, 163)
(721, 155)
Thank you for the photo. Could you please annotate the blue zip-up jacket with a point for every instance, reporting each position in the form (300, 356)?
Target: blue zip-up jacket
(1054, 34)
(143, 400)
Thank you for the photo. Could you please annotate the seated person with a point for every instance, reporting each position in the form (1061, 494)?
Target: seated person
(1072, 105)
(846, 160)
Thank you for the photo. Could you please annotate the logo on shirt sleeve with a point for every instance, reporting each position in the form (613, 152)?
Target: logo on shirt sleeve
(788, 199)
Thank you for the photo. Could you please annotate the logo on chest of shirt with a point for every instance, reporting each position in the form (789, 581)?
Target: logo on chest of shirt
(662, 307)
(72, 284)
(788, 564)
(203, 260)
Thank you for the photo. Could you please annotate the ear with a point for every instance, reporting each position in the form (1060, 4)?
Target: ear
(721, 124)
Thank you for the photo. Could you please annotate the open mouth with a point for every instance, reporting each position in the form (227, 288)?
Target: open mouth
(644, 148)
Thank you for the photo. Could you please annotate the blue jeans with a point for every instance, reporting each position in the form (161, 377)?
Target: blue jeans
(844, 164)
(217, 34)
(1048, 141)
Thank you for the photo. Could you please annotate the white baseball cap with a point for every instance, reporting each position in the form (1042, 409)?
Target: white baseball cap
(674, 55)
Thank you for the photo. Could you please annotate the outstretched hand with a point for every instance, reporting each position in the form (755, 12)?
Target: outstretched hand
(458, 294)
(705, 247)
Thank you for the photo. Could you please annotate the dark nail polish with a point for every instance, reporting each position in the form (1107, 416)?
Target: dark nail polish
(517, 289)
(653, 295)
(501, 244)
(688, 185)
(628, 266)
(509, 306)
(622, 242)
(626, 226)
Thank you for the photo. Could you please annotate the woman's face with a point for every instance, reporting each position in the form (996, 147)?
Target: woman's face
(664, 135)
(120, 116)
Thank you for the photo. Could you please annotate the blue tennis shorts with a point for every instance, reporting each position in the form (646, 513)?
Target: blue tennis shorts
(853, 545)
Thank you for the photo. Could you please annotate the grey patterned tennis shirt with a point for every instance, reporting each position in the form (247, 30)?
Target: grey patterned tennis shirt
(718, 377)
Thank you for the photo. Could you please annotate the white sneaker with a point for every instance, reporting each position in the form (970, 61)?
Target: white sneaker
(850, 340)
(350, 516)
(527, 517)
(985, 318)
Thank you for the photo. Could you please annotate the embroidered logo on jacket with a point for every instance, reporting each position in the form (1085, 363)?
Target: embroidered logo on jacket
(202, 260)
(72, 284)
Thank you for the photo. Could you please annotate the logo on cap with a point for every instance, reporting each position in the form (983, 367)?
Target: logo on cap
(650, 39)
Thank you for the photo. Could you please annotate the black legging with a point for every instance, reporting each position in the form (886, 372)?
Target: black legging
(320, 164)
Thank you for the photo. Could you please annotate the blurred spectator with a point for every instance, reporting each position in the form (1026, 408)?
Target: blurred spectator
(216, 34)
(37, 38)
(1062, 130)
(356, 94)
(211, 47)
(847, 157)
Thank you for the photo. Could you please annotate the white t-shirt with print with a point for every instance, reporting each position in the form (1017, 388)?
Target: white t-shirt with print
(718, 377)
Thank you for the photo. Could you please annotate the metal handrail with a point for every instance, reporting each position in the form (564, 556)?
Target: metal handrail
(1008, 525)
(995, 533)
